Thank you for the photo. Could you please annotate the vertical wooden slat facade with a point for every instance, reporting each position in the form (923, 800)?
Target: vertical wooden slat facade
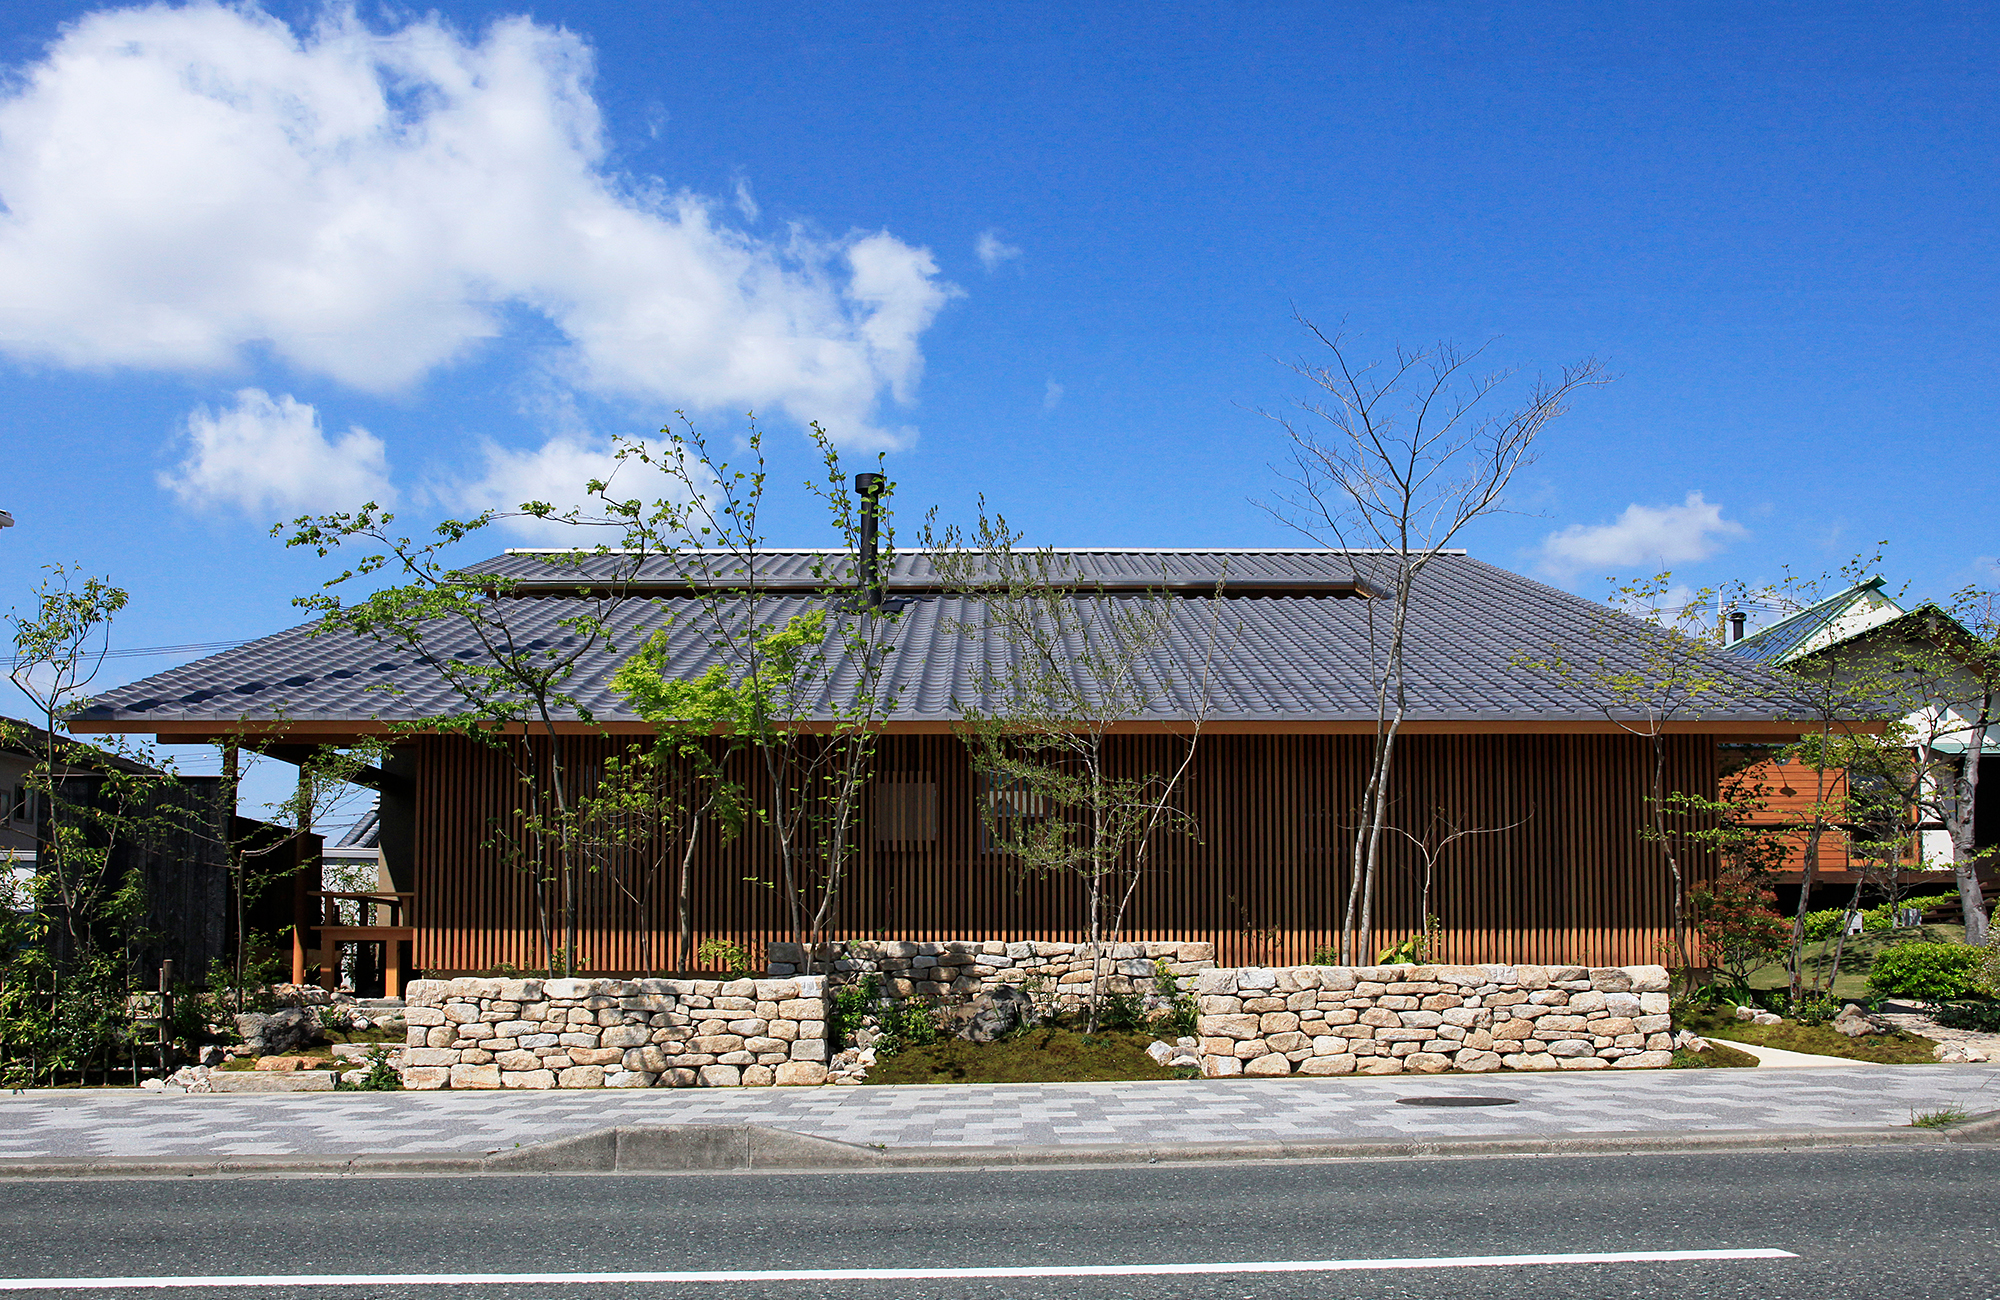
(1264, 878)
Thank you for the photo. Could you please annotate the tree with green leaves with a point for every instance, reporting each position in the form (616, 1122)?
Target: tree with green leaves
(1735, 927)
(1391, 462)
(800, 686)
(71, 941)
(515, 689)
(1648, 665)
(1945, 677)
(1064, 668)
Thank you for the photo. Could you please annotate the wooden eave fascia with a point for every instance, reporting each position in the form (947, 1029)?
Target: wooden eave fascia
(322, 732)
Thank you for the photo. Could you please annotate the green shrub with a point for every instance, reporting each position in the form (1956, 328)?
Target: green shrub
(1932, 972)
(1120, 1010)
(724, 953)
(1981, 1016)
(1816, 1008)
(851, 1006)
(1182, 1008)
(912, 1024)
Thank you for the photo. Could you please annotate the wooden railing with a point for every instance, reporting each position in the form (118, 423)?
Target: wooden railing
(332, 932)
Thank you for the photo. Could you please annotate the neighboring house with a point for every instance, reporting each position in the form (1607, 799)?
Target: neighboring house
(1279, 768)
(183, 862)
(1847, 628)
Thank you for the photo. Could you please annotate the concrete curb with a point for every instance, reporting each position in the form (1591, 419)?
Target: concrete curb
(750, 1148)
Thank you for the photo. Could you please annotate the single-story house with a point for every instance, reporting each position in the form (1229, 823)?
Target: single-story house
(1844, 630)
(1285, 644)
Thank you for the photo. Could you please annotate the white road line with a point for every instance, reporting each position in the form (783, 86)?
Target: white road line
(876, 1274)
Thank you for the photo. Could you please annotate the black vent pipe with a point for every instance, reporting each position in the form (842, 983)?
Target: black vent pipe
(1736, 620)
(869, 487)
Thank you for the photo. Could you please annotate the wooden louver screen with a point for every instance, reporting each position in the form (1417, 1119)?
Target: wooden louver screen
(905, 810)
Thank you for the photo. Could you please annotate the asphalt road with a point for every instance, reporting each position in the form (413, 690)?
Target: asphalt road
(1899, 1223)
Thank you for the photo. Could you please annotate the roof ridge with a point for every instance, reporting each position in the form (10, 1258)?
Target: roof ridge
(976, 550)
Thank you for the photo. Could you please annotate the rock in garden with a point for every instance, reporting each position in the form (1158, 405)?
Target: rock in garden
(279, 1032)
(1856, 1023)
(1160, 1052)
(1689, 1041)
(1767, 1018)
(994, 1015)
(1957, 1053)
(1745, 1013)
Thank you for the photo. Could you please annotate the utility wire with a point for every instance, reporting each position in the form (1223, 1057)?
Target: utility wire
(139, 652)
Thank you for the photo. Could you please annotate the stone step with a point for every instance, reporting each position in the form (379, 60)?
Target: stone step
(271, 1081)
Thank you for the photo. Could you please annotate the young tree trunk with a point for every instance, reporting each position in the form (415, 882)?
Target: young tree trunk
(683, 899)
(1808, 873)
(1964, 850)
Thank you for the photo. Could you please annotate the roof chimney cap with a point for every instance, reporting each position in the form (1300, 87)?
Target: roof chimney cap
(1736, 619)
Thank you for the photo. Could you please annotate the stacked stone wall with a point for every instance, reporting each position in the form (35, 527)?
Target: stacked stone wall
(1326, 1020)
(960, 970)
(584, 1033)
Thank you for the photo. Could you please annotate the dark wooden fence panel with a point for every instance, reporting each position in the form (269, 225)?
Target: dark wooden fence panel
(1264, 876)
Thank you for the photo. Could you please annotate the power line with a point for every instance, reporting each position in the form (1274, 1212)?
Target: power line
(140, 652)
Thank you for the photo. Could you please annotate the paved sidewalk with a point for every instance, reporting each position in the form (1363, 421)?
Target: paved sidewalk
(121, 1125)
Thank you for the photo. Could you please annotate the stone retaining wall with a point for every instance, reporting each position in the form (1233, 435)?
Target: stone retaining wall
(959, 970)
(584, 1033)
(1429, 1019)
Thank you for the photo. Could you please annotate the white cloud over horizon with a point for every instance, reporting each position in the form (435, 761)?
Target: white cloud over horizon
(179, 186)
(267, 456)
(1659, 535)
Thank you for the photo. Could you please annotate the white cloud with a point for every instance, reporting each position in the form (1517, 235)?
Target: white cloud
(1658, 535)
(556, 472)
(266, 456)
(992, 251)
(1052, 396)
(180, 184)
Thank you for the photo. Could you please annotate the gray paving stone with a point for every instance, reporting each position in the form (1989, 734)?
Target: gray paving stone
(121, 1124)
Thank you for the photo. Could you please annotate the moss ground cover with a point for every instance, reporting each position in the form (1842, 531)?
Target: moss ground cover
(1045, 1055)
(1819, 1040)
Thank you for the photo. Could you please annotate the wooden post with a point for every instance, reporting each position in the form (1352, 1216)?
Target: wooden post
(166, 1008)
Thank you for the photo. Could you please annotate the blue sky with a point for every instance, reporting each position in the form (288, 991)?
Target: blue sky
(265, 260)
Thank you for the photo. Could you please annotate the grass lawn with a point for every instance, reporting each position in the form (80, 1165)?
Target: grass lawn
(1819, 1040)
(1855, 958)
(1046, 1055)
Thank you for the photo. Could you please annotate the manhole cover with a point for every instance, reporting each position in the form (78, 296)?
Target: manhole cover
(1455, 1101)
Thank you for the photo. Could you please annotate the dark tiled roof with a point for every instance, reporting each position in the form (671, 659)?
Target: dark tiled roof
(366, 833)
(1277, 659)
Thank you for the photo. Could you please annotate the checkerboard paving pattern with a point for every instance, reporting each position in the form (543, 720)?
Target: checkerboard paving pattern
(120, 1124)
